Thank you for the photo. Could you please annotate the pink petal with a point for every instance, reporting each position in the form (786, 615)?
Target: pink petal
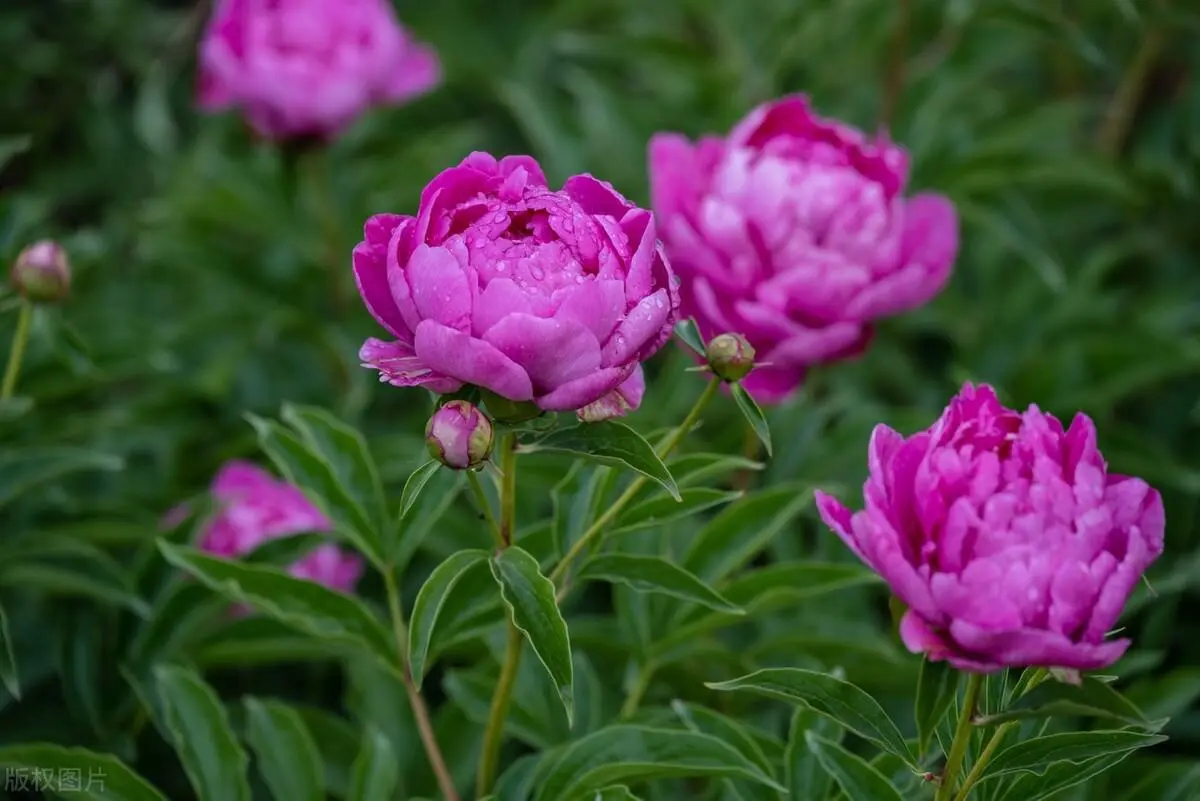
(771, 385)
(441, 288)
(370, 259)
(399, 366)
(838, 516)
(595, 196)
(640, 328)
(418, 72)
(618, 403)
(240, 477)
(583, 391)
(510, 164)
(1034, 648)
(674, 175)
(552, 351)
(500, 298)
(598, 305)
(471, 361)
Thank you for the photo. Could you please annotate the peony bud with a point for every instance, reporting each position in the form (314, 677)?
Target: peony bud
(42, 273)
(730, 356)
(459, 435)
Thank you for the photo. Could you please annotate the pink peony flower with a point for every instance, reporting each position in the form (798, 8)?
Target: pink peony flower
(554, 297)
(256, 507)
(309, 67)
(794, 232)
(1006, 536)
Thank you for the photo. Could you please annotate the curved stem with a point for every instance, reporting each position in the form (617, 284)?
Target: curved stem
(644, 677)
(493, 735)
(663, 450)
(962, 738)
(17, 351)
(481, 498)
(981, 763)
(420, 711)
(893, 79)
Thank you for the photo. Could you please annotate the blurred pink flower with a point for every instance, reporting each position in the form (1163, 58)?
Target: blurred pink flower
(1005, 534)
(254, 507)
(309, 67)
(794, 231)
(554, 297)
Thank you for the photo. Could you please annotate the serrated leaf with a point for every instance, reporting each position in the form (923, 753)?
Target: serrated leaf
(109, 778)
(284, 751)
(416, 482)
(743, 529)
(753, 414)
(428, 606)
(22, 469)
(212, 757)
(688, 333)
(345, 450)
(613, 444)
(657, 575)
(858, 780)
(660, 511)
(376, 773)
(840, 700)
(530, 598)
(301, 604)
(302, 466)
(627, 753)
(1091, 698)
(8, 662)
(937, 684)
(1035, 754)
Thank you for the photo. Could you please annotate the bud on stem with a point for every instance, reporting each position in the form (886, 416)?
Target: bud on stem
(42, 273)
(730, 357)
(459, 436)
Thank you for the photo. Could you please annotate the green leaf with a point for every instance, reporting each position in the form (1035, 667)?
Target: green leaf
(1035, 754)
(285, 753)
(178, 617)
(253, 640)
(937, 684)
(80, 654)
(743, 529)
(440, 491)
(283, 551)
(806, 778)
(530, 599)
(617, 792)
(302, 466)
(655, 574)
(22, 469)
(660, 511)
(73, 570)
(8, 662)
(705, 721)
(753, 414)
(626, 753)
(416, 482)
(344, 449)
(301, 604)
(572, 502)
(858, 780)
(613, 444)
(376, 772)
(837, 699)
(337, 742)
(694, 469)
(213, 759)
(429, 603)
(689, 334)
(1092, 698)
(1063, 775)
(100, 777)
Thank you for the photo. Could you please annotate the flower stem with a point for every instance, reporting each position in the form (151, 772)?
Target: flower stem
(482, 500)
(663, 450)
(419, 709)
(493, 735)
(17, 351)
(981, 763)
(962, 738)
(644, 677)
(1119, 116)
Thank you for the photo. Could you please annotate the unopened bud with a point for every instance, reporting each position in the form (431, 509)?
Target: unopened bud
(41, 273)
(730, 357)
(459, 435)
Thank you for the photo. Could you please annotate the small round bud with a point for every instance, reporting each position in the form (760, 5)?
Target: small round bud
(42, 273)
(730, 357)
(459, 435)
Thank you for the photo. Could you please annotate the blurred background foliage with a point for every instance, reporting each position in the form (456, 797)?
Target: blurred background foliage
(212, 278)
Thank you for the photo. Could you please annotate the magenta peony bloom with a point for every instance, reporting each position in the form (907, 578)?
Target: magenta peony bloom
(309, 67)
(794, 232)
(255, 507)
(554, 297)
(1005, 535)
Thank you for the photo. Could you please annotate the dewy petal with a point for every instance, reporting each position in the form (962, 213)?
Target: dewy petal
(595, 196)
(598, 305)
(533, 170)
(471, 361)
(618, 403)
(370, 259)
(499, 299)
(641, 327)
(441, 289)
(552, 352)
(400, 367)
(583, 391)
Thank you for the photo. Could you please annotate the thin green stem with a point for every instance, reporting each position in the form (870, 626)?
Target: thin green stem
(493, 735)
(644, 677)
(482, 499)
(988, 750)
(17, 350)
(664, 450)
(962, 738)
(420, 711)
